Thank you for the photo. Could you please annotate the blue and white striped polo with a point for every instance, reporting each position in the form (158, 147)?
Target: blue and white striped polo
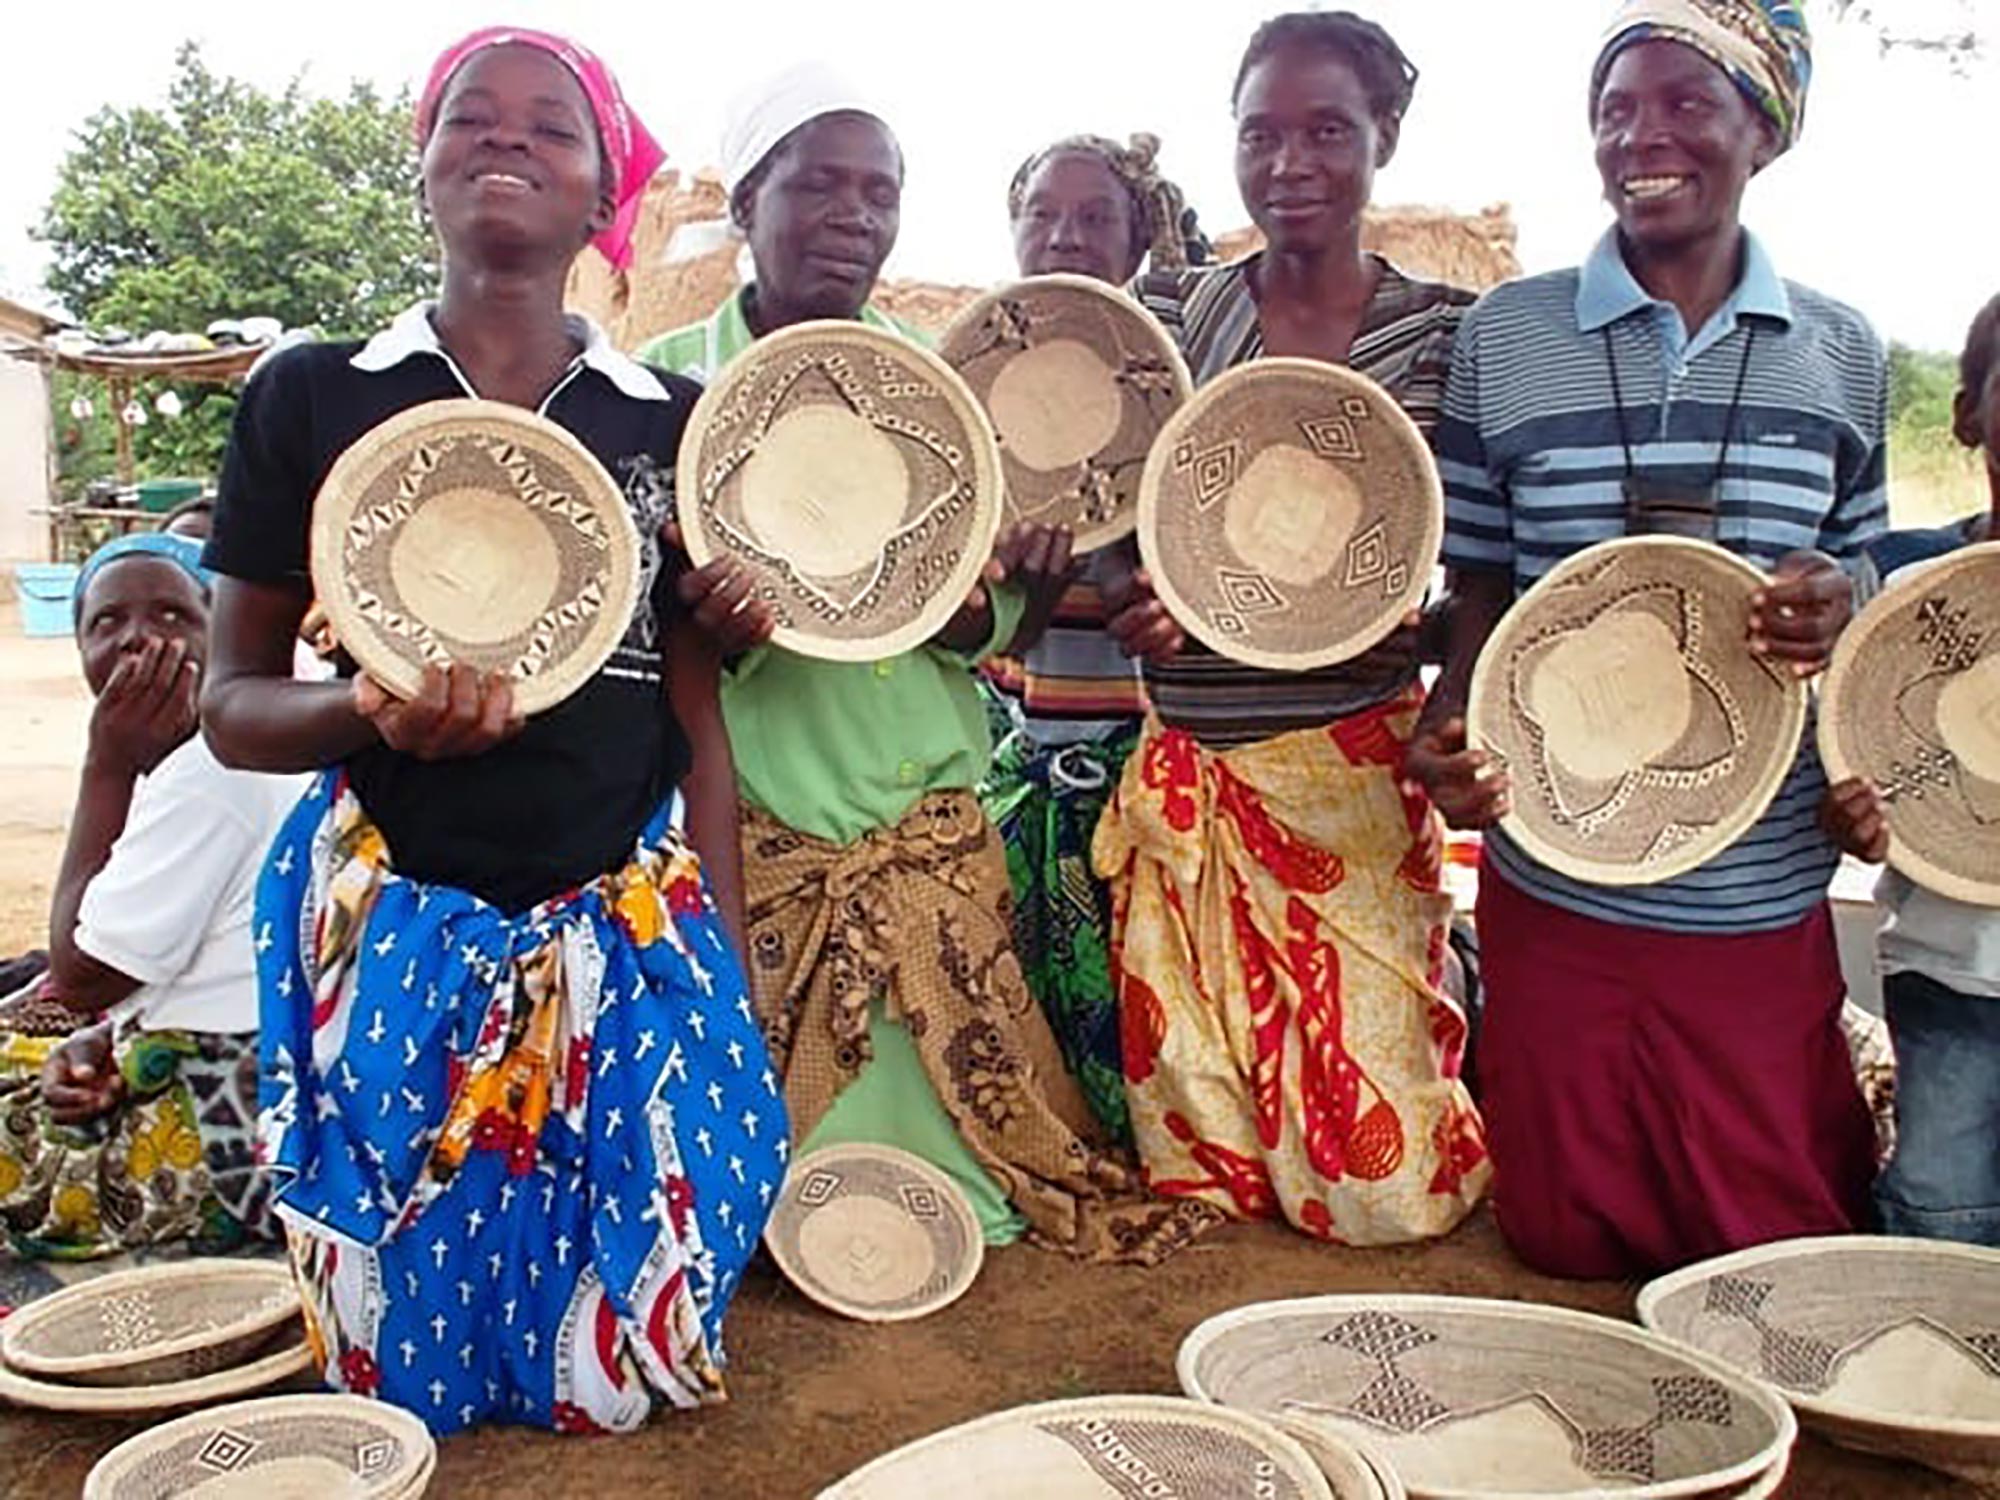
(1530, 451)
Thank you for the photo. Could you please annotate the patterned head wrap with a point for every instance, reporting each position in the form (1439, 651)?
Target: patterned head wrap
(1763, 45)
(183, 552)
(631, 154)
(1158, 205)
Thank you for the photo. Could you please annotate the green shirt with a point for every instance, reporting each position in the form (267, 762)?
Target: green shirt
(835, 749)
(700, 350)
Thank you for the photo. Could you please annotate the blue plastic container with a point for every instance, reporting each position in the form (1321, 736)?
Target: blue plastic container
(45, 591)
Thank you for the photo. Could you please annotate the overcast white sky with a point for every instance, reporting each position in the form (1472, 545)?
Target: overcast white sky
(1889, 202)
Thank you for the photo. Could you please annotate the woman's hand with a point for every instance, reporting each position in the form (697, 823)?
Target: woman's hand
(721, 597)
(1139, 622)
(1040, 559)
(1466, 786)
(1797, 617)
(971, 626)
(1853, 817)
(455, 714)
(147, 708)
(80, 1081)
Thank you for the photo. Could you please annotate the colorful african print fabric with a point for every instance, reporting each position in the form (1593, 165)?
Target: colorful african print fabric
(33, 1023)
(1763, 45)
(526, 1158)
(915, 917)
(172, 1161)
(1046, 803)
(1281, 930)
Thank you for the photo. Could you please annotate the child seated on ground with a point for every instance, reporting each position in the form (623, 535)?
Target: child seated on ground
(1940, 958)
(136, 1127)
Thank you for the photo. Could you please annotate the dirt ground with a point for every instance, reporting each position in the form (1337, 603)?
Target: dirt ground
(815, 1396)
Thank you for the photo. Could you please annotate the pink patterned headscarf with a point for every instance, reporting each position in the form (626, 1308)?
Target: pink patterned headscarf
(634, 156)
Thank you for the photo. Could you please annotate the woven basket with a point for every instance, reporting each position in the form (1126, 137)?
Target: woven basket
(875, 1233)
(203, 1390)
(1908, 703)
(854, 475)
(1100, 1448)
(1290, 514)
(304, 1446)
(1470, 1398)
(475, 532)
(1641, 736)
(1891, 1346)
(1078, 379)
(155, 1324)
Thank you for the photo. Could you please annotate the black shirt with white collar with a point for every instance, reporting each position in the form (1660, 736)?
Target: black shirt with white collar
(563, 801)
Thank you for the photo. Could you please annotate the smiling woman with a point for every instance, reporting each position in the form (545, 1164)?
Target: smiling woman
(1640, 1115)
(1266, 795)
(498, 901)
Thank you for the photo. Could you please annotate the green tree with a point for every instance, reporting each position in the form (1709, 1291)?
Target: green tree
(229, 201)
(1921, 385)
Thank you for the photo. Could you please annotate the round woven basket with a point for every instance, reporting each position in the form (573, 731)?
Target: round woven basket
(224, 1385)
(1099, 1448)
(1470, 1398)
(475, 532)
(1290, 514)
(1641, 736)
(856, 478)
(1883, 1344)
(1078, 379)
(308, 1446)
(875, 1233)
(155, 1323)
(1912, 702)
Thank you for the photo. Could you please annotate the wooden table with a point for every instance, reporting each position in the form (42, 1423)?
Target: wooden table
(75, 531)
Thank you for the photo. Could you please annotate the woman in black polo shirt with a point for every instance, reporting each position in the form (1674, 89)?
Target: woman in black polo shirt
(528, 1129)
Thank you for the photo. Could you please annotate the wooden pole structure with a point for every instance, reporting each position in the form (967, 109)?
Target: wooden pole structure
(121, 397)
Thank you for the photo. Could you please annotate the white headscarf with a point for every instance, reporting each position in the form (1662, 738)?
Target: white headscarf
(760, 117)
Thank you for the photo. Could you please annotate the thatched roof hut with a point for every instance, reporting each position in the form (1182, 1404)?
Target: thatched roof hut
(679, 273)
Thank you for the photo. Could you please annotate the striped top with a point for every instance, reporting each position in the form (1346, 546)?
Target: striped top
(1404, 345)
(1532, 463)
(1076, 683)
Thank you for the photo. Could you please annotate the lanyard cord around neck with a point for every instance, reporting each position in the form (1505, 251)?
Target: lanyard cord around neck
(1728, 421)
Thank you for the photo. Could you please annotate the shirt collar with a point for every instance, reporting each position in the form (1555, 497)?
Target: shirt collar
(412, 333)
(1607, 290)
(727, 331)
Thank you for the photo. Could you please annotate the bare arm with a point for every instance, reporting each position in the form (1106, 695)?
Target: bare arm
(145, 711)
(1471, 609)
(102, 801)
(256, 715)
(1041, 561)
(694, 673)
(1467, 788)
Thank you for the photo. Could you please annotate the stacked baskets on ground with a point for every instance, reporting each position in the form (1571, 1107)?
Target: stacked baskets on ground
(200, 1334)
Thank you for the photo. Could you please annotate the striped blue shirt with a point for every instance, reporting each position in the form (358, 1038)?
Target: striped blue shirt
(1532, 461)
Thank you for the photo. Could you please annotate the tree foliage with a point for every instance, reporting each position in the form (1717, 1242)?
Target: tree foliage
(229, 201)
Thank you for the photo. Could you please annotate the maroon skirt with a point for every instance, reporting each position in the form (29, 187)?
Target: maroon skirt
(1653, 1098)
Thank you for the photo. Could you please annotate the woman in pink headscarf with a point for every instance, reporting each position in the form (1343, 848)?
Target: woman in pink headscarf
(526, 1131)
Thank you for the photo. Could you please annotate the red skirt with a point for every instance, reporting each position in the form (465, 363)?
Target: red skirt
(1653, 1098)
